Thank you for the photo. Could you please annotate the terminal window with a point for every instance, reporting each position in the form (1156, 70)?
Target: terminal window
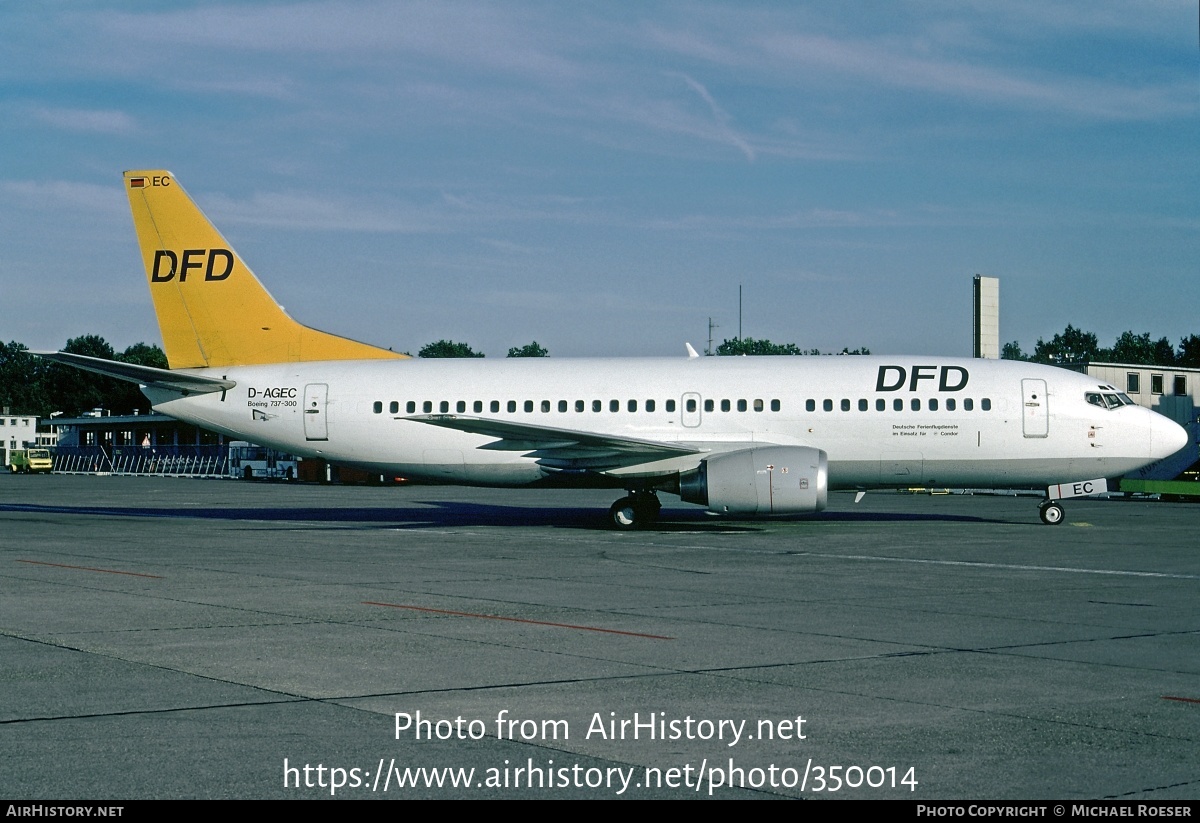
(1133, 383)
(1156, 384)
(1180, 385)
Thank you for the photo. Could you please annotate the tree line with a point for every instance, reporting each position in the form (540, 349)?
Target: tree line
(1074, 346)
(32, 385)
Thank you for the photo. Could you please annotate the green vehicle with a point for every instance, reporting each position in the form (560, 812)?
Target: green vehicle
(30, 461)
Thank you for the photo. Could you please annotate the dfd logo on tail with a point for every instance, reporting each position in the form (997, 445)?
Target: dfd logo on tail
(191, 259)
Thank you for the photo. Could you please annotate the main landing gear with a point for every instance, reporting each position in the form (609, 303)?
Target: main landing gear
(1051, 512)
(636, 511)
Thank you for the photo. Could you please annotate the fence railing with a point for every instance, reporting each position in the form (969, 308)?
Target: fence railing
(170, 461)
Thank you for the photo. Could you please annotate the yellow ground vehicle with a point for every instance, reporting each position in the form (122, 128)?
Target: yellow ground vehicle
(30, 460)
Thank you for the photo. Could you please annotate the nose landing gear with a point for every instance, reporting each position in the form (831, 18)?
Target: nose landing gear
(1051, 512)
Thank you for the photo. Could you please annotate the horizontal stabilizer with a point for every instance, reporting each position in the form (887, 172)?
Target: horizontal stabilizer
(175, 381)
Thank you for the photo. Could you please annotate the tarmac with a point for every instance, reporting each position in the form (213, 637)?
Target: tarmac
(171, 638)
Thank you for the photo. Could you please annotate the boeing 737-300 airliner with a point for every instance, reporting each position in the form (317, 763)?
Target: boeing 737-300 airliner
(738, 435)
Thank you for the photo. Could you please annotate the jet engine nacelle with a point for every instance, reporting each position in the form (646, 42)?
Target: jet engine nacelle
(766, 480)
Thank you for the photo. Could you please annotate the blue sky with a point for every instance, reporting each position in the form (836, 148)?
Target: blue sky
(600, 177)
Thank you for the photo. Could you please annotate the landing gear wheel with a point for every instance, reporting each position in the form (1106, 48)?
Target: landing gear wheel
(625, 514)
(635, 511)
(1051, 512)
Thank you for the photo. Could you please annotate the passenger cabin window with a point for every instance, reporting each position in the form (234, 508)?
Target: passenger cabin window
(968, 404)
(460, 406)
(580, 405)
(512, 406)
(708, 405)
(545, 406)
(810, 405)
(845, 404)
(615, 405)
(916, 404)
(649, 405)
(670, 406)
(378, 407)
(562, 405)
(427, 406)
(632, 406)
(758, 404)
(951, 404)
(933, 404)
(897, 405)
(597, 405)
(881, 405)
(494, 406)
(477, 406)
(775, 405)
(725, 406)
(394, 407)
(411, 407)
(985, 404)
(862, 404)
(528, 406)
(444, 406)
(827, 405)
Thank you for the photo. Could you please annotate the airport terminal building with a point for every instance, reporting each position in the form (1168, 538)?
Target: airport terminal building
(17, 431)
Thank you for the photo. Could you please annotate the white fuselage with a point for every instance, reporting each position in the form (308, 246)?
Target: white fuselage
(883, 421)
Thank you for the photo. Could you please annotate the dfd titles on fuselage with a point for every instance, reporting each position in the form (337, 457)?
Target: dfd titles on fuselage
(894, 378)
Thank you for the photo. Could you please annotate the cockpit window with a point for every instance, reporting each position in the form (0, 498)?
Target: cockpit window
(1108, 400)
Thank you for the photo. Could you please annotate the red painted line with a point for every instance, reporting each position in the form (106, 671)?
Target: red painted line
(1181, 699)
(516, 620)
(89, 569)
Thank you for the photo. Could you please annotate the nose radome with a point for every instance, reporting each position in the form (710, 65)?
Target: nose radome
(1166, 436)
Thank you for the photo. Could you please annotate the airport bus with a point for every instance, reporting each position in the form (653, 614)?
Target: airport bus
(252, 462)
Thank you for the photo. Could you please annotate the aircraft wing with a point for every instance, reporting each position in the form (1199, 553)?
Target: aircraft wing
(176, 381)
(561, 448)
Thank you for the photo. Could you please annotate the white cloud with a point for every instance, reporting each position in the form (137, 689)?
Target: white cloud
(100, 121)
(85, 197)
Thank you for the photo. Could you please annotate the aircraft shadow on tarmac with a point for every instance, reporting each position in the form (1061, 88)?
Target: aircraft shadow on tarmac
(443, 514)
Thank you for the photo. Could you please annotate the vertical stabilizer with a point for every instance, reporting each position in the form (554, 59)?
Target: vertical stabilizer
(212, 311)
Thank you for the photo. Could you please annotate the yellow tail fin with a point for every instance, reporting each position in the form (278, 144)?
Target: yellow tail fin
(212, 311)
